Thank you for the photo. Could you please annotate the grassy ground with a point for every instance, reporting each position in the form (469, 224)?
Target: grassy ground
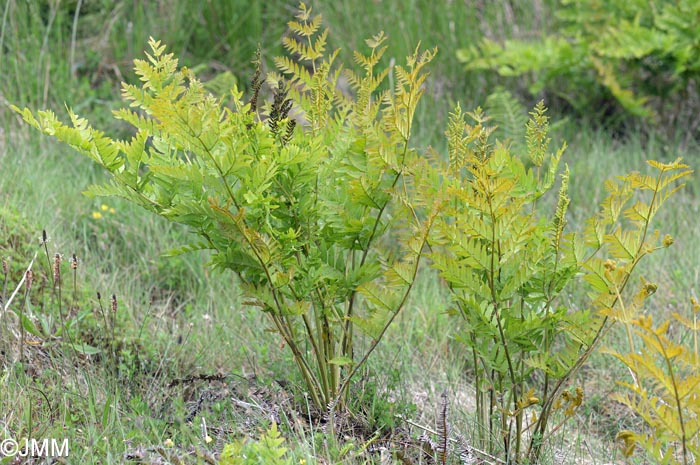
(183, 366)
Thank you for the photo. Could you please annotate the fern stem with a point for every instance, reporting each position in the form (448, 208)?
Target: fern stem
(375, 342)
(320, 357)
(409, 125)
(283, 328)
(504, 342)
(676, 396)
(311, 381)
(480, 411)
(695, 334)
(365, 253)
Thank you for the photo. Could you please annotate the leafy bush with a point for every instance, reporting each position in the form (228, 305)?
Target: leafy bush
(644, 55)
(294, 196)
(507, 263)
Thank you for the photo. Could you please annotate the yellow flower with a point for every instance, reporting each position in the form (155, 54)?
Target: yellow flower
(96, 215)
(104, 207)
(112, 210)
(169, 443)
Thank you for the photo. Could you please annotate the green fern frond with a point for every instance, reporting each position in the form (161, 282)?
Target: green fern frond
(536, 134)
(510, 117)
(562, 207)
(310, 51)
(663, 390)
(308, 28)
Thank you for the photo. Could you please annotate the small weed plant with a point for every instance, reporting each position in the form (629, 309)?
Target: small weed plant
(42, 305)
(268, 450)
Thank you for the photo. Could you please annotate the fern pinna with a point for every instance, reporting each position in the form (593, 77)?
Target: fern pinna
(295, 210)
(663, 388)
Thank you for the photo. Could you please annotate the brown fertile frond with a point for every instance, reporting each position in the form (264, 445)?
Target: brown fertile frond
(442, 429)
(257, 81)
(280, 107)
(291, 124)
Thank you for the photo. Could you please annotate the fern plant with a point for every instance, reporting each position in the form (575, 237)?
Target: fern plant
(268, 450)
(507, 263)
(663, 390)
(293, 194)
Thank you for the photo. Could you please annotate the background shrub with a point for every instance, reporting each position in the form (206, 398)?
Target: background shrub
(607, 59)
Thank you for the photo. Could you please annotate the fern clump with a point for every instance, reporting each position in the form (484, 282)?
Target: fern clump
(292, 194)
(299, 194)
(507, 263)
